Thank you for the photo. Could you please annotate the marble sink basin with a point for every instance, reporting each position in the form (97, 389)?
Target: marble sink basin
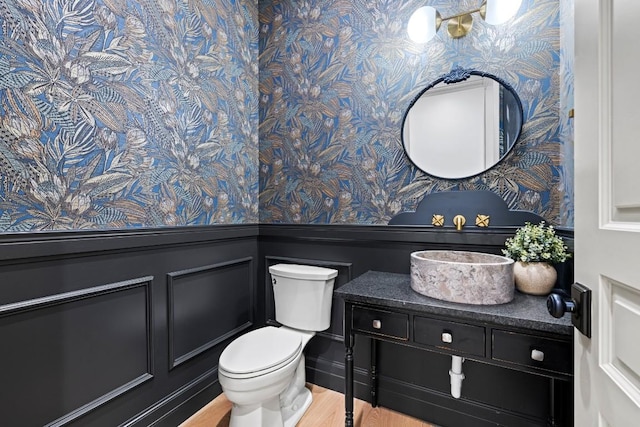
(463, 277)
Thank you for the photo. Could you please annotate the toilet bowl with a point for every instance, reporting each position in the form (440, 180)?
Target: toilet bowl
(257, 369)
(262, 372)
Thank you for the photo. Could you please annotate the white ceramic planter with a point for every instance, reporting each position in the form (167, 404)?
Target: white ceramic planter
(535, 278)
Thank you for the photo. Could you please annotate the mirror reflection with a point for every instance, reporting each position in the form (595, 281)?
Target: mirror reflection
(462, 124)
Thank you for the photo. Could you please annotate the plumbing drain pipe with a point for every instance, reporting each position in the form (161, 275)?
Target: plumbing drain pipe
(456, 376)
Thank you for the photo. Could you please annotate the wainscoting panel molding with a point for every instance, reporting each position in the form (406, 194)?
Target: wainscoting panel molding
(208, 305)
(75, 351)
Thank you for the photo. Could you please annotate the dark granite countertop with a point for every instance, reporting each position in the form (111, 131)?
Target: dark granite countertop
(394, 290)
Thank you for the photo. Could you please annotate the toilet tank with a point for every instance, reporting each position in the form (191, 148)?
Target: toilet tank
(303, 295)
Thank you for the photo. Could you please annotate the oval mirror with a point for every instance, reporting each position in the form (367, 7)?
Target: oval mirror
(462, 124)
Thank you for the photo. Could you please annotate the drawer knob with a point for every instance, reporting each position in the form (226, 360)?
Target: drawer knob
(447, 337)
(537, 355)
(377, 324)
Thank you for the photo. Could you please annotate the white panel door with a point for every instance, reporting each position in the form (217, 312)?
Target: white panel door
(607, 217)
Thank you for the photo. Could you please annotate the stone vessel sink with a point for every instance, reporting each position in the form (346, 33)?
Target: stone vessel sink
(463, 277)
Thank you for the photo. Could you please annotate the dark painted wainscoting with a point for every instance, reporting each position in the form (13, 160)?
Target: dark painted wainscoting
(120, 328)
(126, 327)
(412, 381)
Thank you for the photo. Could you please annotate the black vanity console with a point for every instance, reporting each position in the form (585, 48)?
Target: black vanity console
(520, 335)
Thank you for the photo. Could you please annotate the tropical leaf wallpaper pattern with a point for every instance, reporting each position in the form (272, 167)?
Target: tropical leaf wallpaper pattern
(336, 77)
(122, 113)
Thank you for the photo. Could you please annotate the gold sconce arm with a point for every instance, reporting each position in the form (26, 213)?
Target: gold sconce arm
(459, 25)
(426, 20)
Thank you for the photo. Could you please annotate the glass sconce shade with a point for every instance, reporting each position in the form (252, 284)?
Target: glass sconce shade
(500, 11)
(423, 24)
(425, 21)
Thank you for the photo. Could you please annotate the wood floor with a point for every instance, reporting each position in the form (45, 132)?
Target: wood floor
(327, 410)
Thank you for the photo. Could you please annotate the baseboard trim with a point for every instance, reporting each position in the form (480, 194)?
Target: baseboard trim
(413, 400)
(181, 404)
(437, 407)
(330, 374)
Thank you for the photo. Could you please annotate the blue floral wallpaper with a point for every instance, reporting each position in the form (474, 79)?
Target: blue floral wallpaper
(567, 29)
(336, 77)
(123, 113)
(146, 113)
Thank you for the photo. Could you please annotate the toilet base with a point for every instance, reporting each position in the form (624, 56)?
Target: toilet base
(265, 414)
(289, 397)
(270, 413)
(292, 413)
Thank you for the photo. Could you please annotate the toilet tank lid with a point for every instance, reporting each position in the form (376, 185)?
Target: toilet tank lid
(297, 271)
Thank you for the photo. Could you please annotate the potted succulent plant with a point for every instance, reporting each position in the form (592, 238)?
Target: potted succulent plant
(534, 248)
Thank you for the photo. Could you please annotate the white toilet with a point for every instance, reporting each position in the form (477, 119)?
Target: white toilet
(262, 372)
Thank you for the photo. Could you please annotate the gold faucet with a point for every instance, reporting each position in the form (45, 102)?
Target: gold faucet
(459, 221)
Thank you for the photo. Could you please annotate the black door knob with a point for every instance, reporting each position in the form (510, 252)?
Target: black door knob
(578, 304)
(558, 305)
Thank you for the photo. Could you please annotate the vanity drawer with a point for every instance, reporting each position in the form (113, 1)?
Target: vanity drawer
(454, 336)
(528, 350)
(381, 322)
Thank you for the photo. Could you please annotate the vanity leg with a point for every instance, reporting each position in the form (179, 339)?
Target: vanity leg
(349, 342)
(555, 404)
(374, 372)
(348, 392)
(560, 403)
(552, 403)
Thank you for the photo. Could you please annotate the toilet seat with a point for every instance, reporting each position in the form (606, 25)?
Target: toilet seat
(260, 352)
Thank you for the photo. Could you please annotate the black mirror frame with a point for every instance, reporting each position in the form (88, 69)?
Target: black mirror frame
(458, 74)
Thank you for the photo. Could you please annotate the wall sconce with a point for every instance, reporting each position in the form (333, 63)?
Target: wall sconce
(425, 22)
